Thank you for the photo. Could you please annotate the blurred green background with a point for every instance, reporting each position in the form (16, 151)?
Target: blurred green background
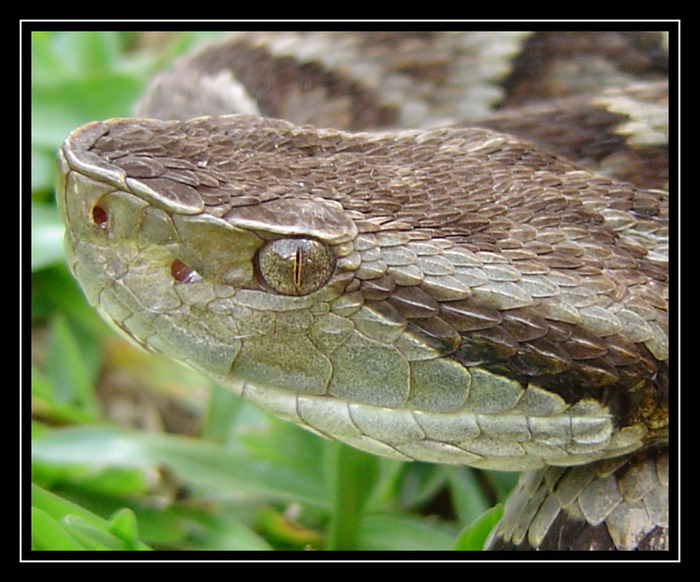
(132, 452)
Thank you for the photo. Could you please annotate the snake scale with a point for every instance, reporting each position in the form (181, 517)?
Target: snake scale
(449, 247)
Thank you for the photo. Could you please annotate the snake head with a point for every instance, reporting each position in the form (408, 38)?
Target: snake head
(422, 295)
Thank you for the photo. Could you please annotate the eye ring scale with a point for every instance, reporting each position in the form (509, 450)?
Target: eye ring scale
(294, 266)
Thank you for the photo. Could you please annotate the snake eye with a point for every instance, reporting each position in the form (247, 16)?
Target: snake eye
(294, 266)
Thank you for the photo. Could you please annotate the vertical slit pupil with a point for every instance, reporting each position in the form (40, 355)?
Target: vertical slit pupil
(297, 267)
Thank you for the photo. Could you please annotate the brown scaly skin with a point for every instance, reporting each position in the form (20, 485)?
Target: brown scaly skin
(476, 279)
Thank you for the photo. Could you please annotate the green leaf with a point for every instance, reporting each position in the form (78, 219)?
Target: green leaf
(124, 526)
(71, 367)
(353, 477)
(277, 526)
(55, 291)
(76, 78)
(420, 482)
(503, 483)
(49, 534)
(90, 536)
(467, 493)
(43, 171)
(56, 111)
(59, 524)
(219, 530)
(47, 236)
(404, 532)
(223, 409)
(49, 64)
(57, 507)
(197, 463)
(473, 537)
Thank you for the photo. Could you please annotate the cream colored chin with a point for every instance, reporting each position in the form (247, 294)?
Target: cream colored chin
(539, 430)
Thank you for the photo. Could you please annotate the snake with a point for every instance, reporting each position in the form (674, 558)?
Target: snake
(433, 246)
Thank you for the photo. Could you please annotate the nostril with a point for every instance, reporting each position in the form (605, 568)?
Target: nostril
(99, 216)
(182, 273)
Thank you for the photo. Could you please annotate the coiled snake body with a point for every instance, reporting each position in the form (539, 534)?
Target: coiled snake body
(452, 293)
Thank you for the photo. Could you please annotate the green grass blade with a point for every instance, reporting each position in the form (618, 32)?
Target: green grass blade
(197, 463)
(49, 534)
(353, 476)
(473, 537)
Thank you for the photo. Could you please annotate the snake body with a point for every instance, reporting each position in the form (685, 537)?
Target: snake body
(451, 293)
